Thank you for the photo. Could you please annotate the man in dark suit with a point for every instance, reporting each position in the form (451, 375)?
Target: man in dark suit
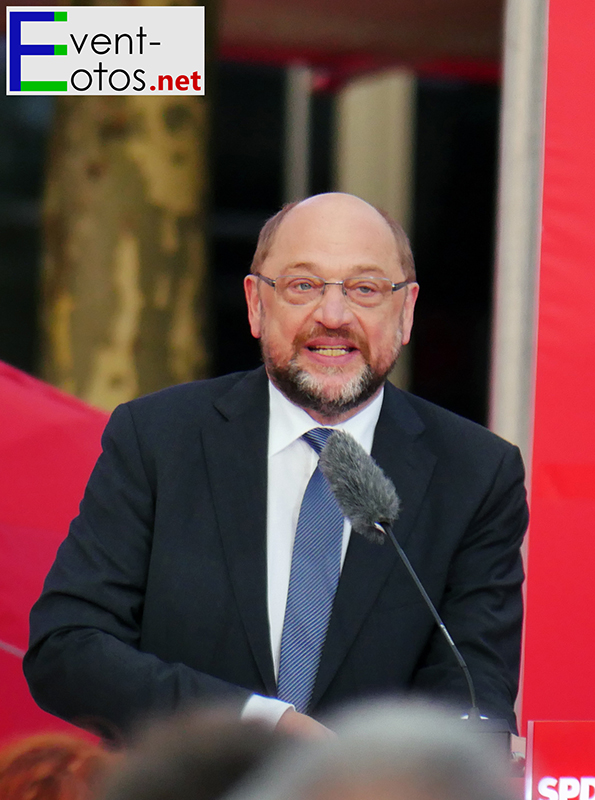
(173, 583)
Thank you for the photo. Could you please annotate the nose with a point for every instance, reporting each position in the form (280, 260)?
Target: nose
(333, 311)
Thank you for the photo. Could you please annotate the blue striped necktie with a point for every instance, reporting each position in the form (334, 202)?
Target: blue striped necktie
(315, 568)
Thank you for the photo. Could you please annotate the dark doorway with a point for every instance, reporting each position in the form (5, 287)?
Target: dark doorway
(454, 213)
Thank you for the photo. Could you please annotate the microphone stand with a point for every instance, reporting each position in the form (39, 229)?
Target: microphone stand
(474, 713)
(497, 730)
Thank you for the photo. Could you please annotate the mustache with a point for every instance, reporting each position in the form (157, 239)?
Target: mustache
(347, 334)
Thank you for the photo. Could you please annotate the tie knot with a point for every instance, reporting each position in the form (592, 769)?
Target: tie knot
(317, 438)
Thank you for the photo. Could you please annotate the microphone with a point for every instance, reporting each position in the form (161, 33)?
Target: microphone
(368, 498)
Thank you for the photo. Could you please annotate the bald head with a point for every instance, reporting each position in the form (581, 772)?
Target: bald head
(333, 219)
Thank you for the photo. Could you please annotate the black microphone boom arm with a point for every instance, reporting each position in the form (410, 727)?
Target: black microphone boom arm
(387, 530)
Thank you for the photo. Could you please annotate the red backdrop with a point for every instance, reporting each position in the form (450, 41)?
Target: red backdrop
(560, 628)
(48, 445)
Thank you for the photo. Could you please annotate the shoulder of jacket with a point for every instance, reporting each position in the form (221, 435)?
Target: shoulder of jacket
(442, 423)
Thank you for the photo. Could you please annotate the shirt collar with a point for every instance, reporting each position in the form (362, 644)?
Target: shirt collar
(288, 422)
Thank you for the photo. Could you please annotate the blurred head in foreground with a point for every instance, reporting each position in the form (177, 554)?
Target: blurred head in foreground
(387, 751)
(52, 767)
(197, 756)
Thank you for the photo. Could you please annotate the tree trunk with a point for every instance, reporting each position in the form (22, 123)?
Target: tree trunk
(124, 288)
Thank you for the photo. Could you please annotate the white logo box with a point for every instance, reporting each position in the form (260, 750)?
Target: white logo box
(95, 50)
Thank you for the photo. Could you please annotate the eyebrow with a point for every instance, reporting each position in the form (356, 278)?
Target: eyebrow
(308, 267)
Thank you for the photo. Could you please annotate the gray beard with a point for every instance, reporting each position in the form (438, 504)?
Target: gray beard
(307, 391)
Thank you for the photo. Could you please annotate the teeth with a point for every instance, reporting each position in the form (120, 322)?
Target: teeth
(331, 351)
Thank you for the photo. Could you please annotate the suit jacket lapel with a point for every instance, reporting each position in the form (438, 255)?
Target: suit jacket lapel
(409, 464)
(236, 450)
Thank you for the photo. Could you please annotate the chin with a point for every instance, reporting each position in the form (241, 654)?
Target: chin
(327, 398)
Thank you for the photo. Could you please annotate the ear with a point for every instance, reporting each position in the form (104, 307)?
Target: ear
(254, 305)
(412, 291)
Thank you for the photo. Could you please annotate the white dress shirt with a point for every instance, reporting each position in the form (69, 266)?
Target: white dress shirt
(291, 462)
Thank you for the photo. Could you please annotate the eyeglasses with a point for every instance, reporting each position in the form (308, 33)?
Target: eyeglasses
(299, 290)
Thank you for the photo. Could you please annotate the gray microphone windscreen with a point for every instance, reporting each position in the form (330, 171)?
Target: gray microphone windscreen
(364, 493)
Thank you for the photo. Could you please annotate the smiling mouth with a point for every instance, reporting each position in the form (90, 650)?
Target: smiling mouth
(325, 350)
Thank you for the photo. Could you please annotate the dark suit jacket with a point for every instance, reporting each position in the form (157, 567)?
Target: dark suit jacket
(158, 595)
